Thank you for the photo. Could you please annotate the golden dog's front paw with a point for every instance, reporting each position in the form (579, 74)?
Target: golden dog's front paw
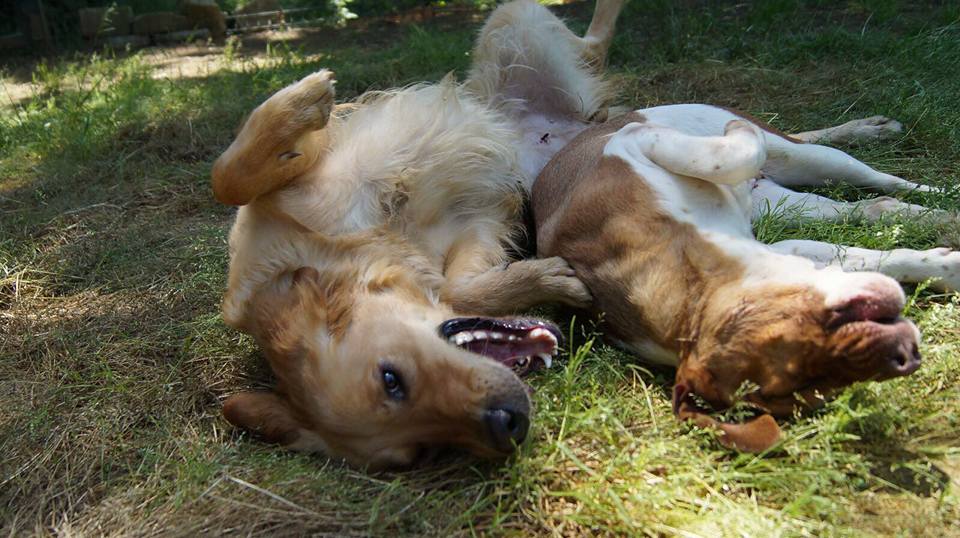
(300, 107)
(312, 99)
(559, 282)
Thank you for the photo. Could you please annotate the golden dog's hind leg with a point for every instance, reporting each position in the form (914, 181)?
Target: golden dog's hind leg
(280, 140)
(475, 283)
(596, 42)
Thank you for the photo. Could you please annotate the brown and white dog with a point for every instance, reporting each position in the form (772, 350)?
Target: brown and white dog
(369, 256)
(653, 211)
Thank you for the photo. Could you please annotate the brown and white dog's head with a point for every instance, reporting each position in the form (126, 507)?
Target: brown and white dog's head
(379, 374)
(783, 346)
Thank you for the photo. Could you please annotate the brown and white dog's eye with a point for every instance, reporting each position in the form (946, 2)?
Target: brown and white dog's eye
(392, 383)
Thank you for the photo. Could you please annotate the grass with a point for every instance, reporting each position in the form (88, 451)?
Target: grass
(113, 357)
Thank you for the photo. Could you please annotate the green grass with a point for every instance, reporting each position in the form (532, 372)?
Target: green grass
(113, 358)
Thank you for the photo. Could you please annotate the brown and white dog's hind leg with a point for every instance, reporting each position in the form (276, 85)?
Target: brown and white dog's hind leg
(854, 132)
(282, 139)
(770, 197)
(903, 265)
(792, 163)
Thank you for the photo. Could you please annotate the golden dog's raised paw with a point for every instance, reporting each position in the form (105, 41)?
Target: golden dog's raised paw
(304, 105)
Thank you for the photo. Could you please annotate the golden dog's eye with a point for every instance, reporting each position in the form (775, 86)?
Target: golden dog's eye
(392, 384)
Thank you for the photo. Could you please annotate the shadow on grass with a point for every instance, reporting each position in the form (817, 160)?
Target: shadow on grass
(907, 471)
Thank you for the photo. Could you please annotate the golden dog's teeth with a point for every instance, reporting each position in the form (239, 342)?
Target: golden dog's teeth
(547, 359)
(522, 363)
(480, 335)
(497, 336)
(462, 338)
(513, 338)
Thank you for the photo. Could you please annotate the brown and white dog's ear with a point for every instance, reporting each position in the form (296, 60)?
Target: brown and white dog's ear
(281, 140)
(754, 436)
(264, 414)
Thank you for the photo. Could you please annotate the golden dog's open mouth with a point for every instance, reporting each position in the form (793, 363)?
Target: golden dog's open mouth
(524, 345)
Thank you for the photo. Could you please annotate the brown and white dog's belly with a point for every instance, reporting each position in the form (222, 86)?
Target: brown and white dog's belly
(718, 215)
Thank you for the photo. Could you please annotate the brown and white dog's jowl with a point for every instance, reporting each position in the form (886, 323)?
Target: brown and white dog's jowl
(653, 211)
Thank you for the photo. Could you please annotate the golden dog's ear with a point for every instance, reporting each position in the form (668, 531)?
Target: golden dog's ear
(283, 309)
(264, 414)
(297, 305)
(754, 436)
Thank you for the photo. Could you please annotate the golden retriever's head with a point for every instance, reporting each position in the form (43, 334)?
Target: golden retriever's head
(379, 374)
(782, 347)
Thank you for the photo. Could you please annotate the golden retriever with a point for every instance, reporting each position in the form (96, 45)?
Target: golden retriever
(369, 257)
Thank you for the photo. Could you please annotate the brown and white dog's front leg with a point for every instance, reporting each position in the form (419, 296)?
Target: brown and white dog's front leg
(476, 282)
(942, 265)
(854, 132)
(281, 140)
(735, 157)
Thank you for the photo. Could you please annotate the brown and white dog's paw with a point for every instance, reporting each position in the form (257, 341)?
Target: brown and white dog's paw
(944, 264)
(874, 128)
(877, 127)
(558, 281)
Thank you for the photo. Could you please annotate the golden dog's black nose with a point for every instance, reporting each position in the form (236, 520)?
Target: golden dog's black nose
(508, 428)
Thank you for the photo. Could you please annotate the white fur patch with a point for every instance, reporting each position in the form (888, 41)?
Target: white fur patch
(708, 206)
